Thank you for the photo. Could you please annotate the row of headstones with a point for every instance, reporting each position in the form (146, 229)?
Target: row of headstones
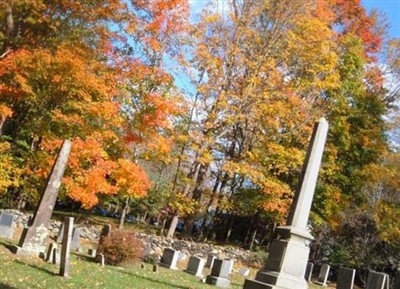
(345, 279)
(220, 269)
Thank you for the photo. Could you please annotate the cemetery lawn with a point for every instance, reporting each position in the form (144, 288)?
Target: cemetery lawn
(19, 272)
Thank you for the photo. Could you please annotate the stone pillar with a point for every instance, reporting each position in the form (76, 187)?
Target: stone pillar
(33, 238)
(287, 260)
(66, 246)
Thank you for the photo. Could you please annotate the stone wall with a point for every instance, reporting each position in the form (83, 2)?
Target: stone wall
(154, 245)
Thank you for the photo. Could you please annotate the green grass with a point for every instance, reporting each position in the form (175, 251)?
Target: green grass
(19, 272)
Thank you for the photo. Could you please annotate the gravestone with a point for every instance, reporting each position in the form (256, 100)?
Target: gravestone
(169, 258)
(219, 274)
(345, 278)
(6, 225)
(323, 275)
(195, 266)
(230, 262)
(76, 239)
(244, 272)
(182, 256)
(53, 256)
(287, 261)
(309, 271)
(155, 268)
(33, 238)
(210, 261)
(376, 280)
(66, 247)
(101, 259)
(92, 253)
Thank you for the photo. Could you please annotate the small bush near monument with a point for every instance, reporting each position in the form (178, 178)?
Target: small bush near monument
(121, 248)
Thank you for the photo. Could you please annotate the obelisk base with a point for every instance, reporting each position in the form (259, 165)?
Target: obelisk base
(286, 263)
(32, 242)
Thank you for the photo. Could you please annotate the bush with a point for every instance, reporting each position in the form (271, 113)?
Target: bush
(121, 248)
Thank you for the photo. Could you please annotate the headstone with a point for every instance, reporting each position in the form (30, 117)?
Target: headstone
(244, 272)
(230, 262)
(66, 247)
(195, 266)
(6, 225)
(53, 255)
(210, 261)
(376, 280)
(309, 271)
(169, 258)
(76, 239)
(219, 274)
(155, 268)
(92, 253)
(33, 238)
(287, 261)
(323, 275)
(182, 256)
(60, 234)
(345, 279)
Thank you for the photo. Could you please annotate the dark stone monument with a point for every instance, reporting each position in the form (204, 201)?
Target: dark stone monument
(66, 247)
(33, 238)
(309, 271)
(6, 225)
(396, 284)
(287, 261)
(210, 261)
(376, 280)
(345, 278)
(169, 258)
(219, 274)
(195, 266)
(323, 275)
(92, 253)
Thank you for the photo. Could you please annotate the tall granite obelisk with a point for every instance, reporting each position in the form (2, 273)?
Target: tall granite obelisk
(288, 256)
(33, 238)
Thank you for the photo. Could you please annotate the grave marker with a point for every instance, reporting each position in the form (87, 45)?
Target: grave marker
(169, 258)
(323, 275)
(33, 238)
(244, 272)
(6, 225)
(66, 247)
(219, 274)
(210, 261)
(345, 278)
(376, 280)
(287, 261)
(195, 266)
(309, 271)
(396, 284)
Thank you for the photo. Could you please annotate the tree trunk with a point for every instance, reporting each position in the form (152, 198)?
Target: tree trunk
(124, 213)
(172, 226)
(164, 222)
(231, 223)
(253, 238)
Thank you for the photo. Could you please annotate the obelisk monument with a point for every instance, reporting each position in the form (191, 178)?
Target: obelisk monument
(288, 255)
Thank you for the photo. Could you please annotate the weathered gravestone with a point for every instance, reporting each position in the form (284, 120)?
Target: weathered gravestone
(53, 255)
(230, 262)
(345, 279)
(377, 280)
(309, 271)
(287, 261)
(195, 266)
(76, 237)
(6, 225)
(66, 247)
(33, 238)
(219, 274)
(210, 261)
(169, 258)
(323, 275)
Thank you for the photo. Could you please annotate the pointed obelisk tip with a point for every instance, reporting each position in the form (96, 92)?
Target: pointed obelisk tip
(323, 120)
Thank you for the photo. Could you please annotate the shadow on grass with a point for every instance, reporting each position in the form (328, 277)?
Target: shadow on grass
(37, 268)
(5, 286)
(171, 285)
(85, 257)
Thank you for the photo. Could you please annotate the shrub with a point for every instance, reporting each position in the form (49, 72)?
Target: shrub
(121, 248)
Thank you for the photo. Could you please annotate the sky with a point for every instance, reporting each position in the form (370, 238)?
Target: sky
(391, 8)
